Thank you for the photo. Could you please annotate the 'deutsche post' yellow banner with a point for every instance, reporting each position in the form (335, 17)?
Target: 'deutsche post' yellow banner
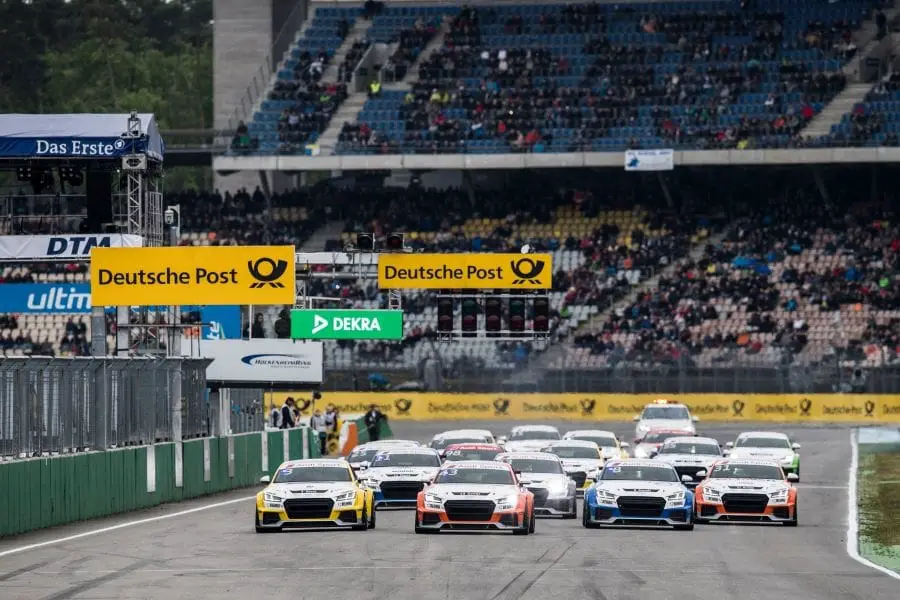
(193, 275)
(465, 271)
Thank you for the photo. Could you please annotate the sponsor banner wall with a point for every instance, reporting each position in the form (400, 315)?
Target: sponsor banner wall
(260, 361)
(193, 275)
(792, 408)
(649, 160)
(57, 247)
(465, 271)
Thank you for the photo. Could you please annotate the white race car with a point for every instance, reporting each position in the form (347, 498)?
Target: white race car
(664, 414)
(767, 445)
(530, 438)
(361, 456)
(609, 443)
(582, 461)
(692, 456)
(461, 436)
(544, 476)
(397, 475)
(638, 492)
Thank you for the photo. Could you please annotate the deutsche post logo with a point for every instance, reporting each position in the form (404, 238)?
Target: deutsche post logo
(267, 272)
(737, 408)
(587, 407)
(303, 404)
(403, 405)
(501, 406)
(869, 407)
(805, 407)
(526, 270)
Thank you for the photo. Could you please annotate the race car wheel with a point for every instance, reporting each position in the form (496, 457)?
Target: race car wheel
(364, 521)
(533, 521)
(372, 520)
(574, 513)
(526, 527)
(793, 521)
(698, 520)
(585, 518)
(260, 529)
(422, 529)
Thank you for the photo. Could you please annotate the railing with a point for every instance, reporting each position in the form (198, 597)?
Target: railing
(64, 405)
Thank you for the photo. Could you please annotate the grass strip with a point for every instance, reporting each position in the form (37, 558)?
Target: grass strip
(878, 481)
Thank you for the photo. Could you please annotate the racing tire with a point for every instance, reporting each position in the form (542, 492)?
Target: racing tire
(423, 530)
(585, 518)
(372, 520)
(364, 524)
(527, 526)
(792, 522)
(260, 529)
(533, 522)
(574, 513)
(685, 527)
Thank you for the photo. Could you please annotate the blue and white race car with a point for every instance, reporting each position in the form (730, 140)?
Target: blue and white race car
(397, 475)
(639, 492)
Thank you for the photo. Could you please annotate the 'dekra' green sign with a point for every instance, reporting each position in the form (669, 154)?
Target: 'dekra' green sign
(328, 324)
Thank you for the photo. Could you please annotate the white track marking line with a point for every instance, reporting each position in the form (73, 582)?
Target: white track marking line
(98, 531)
(853, 513)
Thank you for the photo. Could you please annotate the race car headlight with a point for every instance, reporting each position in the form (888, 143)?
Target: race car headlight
(272, 500)
(676, 499)
(508, 503)
(344, 500)
(604, 497)
(560, 488)
(711, 495)
(433, 502)
(778, 497)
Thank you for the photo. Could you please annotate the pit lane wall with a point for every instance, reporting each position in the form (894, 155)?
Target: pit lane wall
(788, 408)
(44, 492)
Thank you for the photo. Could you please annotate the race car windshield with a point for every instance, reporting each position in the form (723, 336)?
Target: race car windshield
(603, 442)
(312, 475)
(666, 412)
(731, 471)
(358, 456)
(405, 460)
(573, 452)
(472, 454)
(658, 438)
(442, 443)
(476, 476)
(759, 442)
(638, 473)
(534, 435)
(529, 465)
(690, 448)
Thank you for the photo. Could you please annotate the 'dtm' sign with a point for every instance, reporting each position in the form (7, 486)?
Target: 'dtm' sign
(346, 324)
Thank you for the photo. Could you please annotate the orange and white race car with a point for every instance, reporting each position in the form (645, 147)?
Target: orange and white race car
(475, 495)
(740, 489)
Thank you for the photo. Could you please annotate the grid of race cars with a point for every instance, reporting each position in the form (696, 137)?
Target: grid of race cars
(471, 480)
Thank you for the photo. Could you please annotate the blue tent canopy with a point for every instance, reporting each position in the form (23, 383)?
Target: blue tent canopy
(76, 136)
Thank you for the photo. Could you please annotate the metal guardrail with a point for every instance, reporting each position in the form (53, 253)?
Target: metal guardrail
(64, 405)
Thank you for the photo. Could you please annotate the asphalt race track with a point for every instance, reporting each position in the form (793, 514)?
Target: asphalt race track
(214, 553)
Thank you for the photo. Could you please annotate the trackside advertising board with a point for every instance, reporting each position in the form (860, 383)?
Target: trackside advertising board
(193, 275)
(793, 408)
(328, 324)
(260, 361)
(465, 271)
(62, 247)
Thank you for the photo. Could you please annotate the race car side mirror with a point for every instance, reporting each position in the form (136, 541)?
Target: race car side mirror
(729, 445)
(625, 445)
(793, 477)
(265, 479)
(700, 474)
(653, 453)
(636, 418)
(795, 446)
(687, 478)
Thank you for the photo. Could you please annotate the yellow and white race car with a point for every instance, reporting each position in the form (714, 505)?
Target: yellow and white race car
(313, 494)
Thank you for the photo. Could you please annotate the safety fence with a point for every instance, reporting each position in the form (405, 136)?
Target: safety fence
(46, 492)
(62, 405)
(425, 406)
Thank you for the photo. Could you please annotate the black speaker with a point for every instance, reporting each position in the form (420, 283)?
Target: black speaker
(99, 199)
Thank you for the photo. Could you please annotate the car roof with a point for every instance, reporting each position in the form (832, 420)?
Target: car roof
(473, 446)
(529, 456)
(649, 404)
(314, 462)
(518, 428)
(681, 431)
(463, 432)
(477, 464)
(573, 444)
(749, 461)
(385, 443)
(763, 434)
(597, 432)
(691, 438)
(410, 450)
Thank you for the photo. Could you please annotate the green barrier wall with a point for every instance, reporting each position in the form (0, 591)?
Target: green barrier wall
(362, 432)
(45, 492)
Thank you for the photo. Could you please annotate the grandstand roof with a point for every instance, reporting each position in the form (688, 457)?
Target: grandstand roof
(75, 136)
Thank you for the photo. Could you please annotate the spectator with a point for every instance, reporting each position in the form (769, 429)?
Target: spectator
(287, 414)
(283, 325)
(318, 423)
(373, 419)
